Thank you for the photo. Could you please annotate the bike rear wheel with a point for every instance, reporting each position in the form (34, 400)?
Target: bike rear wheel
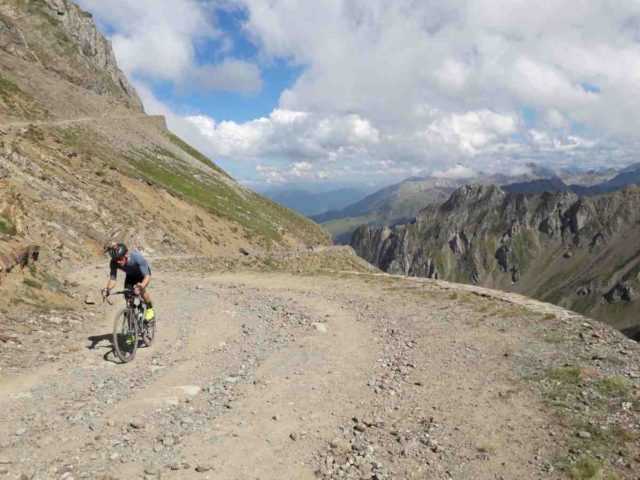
(125, 335)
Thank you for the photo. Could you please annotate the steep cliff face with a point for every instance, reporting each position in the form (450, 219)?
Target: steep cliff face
(581, 253)
(92, 45)
(63, 39)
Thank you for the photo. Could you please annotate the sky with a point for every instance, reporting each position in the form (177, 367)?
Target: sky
(368, 92)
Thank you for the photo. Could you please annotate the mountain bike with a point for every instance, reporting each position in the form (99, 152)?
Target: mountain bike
(129, 326)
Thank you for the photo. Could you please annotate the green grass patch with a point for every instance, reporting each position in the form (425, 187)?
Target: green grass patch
(586, 468)
(184, 146)
(566, 375)
(6, 227)
(8, 87)
(554, 338)
(29, 282)
(562, 387)
(613, 387)
(586, 404)
(72, 137)
(524, 247)
(17, 103)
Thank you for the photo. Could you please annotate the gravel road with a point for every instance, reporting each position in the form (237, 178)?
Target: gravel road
(275, 376)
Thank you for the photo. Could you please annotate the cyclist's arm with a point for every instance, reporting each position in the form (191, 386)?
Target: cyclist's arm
(145, 281)
(113, 275)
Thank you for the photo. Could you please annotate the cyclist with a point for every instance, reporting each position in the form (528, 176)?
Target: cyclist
(137, 270)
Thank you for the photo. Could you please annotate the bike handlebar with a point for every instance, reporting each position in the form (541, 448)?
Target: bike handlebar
(125, 292)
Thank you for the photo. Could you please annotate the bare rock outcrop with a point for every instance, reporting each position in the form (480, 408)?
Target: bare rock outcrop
(60, 37)
(550, 245)
(91, 44)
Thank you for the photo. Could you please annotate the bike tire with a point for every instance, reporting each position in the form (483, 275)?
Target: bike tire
(124, 327)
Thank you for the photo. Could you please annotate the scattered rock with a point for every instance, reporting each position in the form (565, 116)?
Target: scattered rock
(359, 427)
(320, 327)
(189, 390)
(136, 425)
(621, 292)
(204, 468)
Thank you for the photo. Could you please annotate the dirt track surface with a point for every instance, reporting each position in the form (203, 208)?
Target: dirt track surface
(275, 376)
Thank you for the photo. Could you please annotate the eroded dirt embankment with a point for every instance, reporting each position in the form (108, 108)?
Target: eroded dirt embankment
(259, 375)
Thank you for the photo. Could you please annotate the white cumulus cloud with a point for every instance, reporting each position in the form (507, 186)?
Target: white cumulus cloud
(391, 89)
(157, 41)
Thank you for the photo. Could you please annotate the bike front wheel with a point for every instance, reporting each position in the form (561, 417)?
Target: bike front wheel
(125, 335)
(148, 331)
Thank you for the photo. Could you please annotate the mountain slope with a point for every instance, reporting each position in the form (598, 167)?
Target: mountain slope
(577, 252)
(389, 205)
(81, 164)
(401, 202)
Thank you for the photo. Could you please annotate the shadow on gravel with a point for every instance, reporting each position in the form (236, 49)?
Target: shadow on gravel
(107, 342)
(633, 333)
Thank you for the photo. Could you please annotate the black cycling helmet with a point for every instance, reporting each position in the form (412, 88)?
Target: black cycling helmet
(118, 251)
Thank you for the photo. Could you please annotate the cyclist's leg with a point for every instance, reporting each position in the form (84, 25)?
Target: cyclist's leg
(130, 282)
(146, 296)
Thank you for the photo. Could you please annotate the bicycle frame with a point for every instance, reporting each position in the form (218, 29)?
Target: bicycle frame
(135, 303)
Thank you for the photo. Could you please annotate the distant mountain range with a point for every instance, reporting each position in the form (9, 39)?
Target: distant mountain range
(401, 202)
(393, 204)
(315, 203)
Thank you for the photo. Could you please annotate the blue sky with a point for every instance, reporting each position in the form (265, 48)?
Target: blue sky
(277, 75)
(370, 92)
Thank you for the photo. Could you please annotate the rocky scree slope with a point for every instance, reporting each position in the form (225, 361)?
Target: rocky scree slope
(580, 253)
(81, 164)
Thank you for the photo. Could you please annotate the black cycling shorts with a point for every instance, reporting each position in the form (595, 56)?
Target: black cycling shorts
(130, 282)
